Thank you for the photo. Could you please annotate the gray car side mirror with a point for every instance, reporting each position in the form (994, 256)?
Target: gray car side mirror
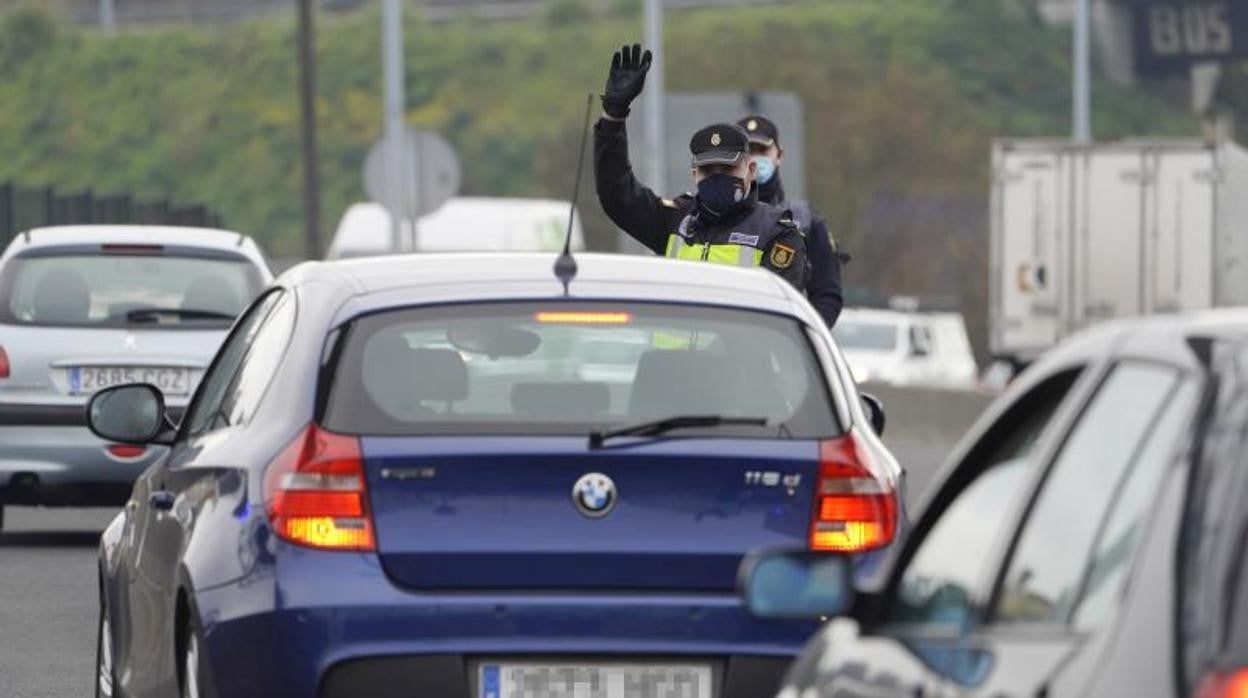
(128, 414)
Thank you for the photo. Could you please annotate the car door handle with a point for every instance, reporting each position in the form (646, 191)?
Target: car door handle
(161, 500)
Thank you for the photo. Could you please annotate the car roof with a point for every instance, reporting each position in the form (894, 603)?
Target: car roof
(125, 234)
(1156, 336)
(69, 235)
(891, 315)
(874, 315)
(458, 277)
(175, 239)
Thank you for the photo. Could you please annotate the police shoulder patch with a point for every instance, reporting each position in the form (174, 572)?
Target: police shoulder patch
(782, 255)
(788, 222)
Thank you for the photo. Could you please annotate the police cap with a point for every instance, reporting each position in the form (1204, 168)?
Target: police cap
(761, 130)
(719, 144)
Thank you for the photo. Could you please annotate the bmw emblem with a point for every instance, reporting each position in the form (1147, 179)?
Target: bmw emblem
(594, 495)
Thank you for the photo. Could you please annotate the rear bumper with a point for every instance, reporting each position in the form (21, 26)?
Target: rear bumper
(451, 676)
(43, 415)
(61, 465)
(344, 630)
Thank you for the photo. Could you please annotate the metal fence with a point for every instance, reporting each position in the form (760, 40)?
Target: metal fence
(158, 11)
(140, 11)
(23, 208)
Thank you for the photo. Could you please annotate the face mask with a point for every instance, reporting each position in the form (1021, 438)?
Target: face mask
(766, 168)
(720, 194)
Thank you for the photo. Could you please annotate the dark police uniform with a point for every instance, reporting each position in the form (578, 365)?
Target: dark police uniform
(823, 288)
(758, 235)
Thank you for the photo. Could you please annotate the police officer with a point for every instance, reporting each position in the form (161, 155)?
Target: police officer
(823, 288)
(723, 222)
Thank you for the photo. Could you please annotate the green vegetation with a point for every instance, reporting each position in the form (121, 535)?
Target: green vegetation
(902, 99)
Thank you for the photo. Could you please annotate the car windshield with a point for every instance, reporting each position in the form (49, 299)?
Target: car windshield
(571, 368)
(871, 336)
(126, 290)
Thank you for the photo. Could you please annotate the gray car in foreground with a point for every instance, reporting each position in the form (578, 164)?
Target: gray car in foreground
(83, 308)
(1088, 538)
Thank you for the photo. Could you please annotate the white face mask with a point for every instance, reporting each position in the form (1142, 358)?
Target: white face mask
(766, 168)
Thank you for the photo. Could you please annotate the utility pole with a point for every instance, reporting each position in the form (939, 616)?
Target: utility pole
(1081, 87)
(307, 104)
(108, 16)
(657, 98)
(392, 68)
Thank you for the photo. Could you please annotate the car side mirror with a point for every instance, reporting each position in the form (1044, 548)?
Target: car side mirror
(875, 412)
(799, 584)
(920, 342)
(128, 414)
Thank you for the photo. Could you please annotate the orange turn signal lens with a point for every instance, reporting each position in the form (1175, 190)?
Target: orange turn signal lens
(849, 536)
(328, 532)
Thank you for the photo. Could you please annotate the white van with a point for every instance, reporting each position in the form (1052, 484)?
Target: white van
(462, 224)
(910, 349)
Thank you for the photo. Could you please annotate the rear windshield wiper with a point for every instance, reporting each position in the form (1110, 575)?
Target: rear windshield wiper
(660, 426)
(147, 314)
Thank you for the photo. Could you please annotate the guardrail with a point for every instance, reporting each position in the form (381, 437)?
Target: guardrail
(923, 426)
(23, 208)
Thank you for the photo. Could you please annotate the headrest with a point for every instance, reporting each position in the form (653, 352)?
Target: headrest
(559, 399)
(437, 374)
(676, 382)
(212, 292)
(62, 296)
(395, 374)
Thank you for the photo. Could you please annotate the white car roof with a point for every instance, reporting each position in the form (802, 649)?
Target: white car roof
(898, 316)
(168, 235)
(460, 277)
(131, 234)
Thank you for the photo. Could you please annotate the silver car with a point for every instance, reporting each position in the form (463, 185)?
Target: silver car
(83, 308)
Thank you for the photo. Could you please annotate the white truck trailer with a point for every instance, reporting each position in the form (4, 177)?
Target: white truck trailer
(1083, 234)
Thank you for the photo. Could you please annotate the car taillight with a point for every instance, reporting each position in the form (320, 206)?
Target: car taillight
(4, 364)
(132, 249)
(315, 495)
(1233, 684)
(854, 510)
(126, 451)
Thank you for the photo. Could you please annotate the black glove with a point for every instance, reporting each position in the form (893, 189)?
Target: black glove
(628, 75)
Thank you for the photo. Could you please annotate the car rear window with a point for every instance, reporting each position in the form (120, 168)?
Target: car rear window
(524, 368)
(853, 334)
(126, 290)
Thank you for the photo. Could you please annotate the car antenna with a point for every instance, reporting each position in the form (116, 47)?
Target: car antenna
(565, 265)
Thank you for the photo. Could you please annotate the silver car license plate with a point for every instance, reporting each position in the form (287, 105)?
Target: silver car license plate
(530, 680)
(84, 380)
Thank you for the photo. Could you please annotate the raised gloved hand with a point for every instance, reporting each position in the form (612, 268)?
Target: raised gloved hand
(628, 76)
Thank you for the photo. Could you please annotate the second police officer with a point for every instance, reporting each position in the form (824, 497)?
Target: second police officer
(823, 288)
(723, 223)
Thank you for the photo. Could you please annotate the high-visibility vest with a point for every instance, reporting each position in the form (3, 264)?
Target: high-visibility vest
(726, 253)
(731, 254)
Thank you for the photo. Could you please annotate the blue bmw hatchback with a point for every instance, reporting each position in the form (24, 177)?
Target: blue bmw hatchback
(449, 476)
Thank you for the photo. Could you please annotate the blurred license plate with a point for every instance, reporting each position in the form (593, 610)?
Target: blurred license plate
(516, 680)
(89, 379)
